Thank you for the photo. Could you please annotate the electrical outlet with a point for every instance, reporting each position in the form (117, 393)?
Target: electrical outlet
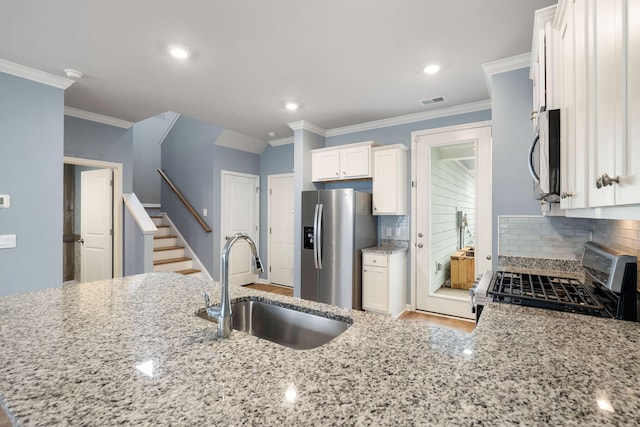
(389, 232)
(398, 232)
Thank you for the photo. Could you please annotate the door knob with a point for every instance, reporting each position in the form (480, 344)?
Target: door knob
(489, 257)
(420, 245)
(80, 241)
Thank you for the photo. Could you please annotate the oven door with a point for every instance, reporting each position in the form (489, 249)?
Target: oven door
(479, 293)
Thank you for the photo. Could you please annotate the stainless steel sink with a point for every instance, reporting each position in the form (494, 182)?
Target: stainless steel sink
(283, 325)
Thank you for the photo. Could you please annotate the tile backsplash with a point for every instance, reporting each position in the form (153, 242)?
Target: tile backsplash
(394, 227)
(564, 238)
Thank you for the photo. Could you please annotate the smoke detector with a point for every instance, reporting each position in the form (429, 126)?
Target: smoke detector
(434, 100)
(73, 74)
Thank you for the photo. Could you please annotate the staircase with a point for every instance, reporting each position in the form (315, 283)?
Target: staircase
(167, 254)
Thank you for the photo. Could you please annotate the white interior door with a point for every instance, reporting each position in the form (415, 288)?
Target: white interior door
(431, 207)
(281, 189)
(96, 223)
(240, 210)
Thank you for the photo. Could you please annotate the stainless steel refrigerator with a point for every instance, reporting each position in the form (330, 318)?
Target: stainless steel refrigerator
(336, 225)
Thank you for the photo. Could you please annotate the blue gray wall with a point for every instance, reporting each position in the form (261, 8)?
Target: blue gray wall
(147, 157)
(194, 163)
(512, 187)
(97, 141)
(31, 145)
(273, 160)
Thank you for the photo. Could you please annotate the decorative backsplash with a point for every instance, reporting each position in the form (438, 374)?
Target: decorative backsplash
(563, 238)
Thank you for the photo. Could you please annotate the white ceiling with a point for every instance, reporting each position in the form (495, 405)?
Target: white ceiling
(345, 61)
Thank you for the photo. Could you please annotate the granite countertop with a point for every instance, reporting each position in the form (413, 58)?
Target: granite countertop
(69, 356)
(384, 249)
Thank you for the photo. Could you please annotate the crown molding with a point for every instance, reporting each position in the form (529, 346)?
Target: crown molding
(306, 125)
(412, 118)
(172, 122)
(504, 65)
(34, 75)
(281, 141)
(98, 118)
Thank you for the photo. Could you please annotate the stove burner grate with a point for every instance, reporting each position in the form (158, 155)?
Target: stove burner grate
(559, 293)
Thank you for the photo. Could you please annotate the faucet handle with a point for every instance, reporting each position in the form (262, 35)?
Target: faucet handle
(258, 264)
(207, 299)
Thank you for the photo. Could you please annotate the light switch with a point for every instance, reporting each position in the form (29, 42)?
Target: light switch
(204, 212)
(5, 201)
(7, 241)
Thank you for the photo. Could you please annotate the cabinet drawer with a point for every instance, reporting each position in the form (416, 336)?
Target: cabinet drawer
(375, 260)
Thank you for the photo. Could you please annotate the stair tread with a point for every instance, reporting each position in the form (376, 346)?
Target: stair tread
(170, 260)
(164, 237)
(167, 248)
(189, 271)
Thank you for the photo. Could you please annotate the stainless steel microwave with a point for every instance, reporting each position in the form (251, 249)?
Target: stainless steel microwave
(544, 163)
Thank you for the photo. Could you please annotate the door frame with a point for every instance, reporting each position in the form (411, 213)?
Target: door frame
(256, 238)
(117, 169)
(269, 217)
(414, 194)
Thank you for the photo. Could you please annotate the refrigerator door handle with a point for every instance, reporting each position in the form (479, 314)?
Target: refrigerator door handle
(315, 237)
(318, 239)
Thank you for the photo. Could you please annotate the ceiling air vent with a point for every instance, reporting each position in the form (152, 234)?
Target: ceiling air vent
(432, 100)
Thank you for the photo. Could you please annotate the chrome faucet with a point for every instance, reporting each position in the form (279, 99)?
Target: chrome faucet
(222, 312)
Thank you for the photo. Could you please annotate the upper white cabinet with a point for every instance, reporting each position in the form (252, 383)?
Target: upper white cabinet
(544, 71)
(352, 161)
(629, 190)
(574, 118)
(390, 180)
(599, 68)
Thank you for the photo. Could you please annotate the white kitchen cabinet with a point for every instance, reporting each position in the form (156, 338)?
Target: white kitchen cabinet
(608, 100)
(600, 119)
(383, 282)
(351, 161)
(390, 180)
(574, 116)
(544, 71)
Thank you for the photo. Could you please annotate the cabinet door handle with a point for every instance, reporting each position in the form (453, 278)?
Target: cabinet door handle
(605, 180)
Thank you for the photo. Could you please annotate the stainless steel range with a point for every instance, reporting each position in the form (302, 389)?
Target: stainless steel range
(609, 288)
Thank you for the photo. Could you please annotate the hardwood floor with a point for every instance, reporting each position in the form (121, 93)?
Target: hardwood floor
(4, 420)
(430, 319)
(276, 289)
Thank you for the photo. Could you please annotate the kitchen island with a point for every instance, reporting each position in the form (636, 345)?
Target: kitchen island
(131, 351)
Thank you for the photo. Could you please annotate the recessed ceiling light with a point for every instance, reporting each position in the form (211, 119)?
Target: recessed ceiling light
(291, 106)
(179, 52)
(272, 134)
(432, 69)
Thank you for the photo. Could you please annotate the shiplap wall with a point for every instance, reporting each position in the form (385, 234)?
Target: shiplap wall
(452, 189)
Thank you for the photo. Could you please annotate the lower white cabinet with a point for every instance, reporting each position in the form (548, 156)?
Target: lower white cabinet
(383, 282)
